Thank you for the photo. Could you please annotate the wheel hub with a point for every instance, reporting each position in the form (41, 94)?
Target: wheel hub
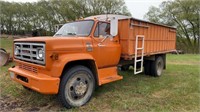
(80, 88)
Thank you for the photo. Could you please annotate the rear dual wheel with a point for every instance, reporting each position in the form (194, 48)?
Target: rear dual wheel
(158, 66)
(154, 68)
(147, 67)
(76, 87)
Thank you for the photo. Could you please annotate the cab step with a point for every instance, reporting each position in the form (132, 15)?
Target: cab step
(107, 75)
(111, 79)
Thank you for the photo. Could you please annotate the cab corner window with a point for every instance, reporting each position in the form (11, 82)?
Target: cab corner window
(102, 29)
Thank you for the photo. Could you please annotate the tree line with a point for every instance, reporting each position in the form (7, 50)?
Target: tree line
(185, 16)
(22, 18)
(42, 16)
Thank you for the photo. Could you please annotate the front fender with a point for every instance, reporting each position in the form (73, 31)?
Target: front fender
(59, 64)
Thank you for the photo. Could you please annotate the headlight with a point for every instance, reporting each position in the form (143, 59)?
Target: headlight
(16, 52)
(40, 54)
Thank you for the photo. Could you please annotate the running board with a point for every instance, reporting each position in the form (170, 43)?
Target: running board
(107, 75)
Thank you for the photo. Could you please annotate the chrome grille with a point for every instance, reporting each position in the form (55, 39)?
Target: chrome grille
(28, 52)
(28, 68)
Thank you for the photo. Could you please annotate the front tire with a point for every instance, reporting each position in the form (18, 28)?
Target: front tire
(76, 87)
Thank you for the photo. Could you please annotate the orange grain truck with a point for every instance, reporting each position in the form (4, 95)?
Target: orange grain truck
(86, 53)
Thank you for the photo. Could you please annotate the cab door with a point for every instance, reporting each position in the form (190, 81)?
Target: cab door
(107, 53)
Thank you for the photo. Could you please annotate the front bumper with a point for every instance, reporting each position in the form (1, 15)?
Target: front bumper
(39, 82)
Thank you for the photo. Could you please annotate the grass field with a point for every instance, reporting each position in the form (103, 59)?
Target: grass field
(178, 89)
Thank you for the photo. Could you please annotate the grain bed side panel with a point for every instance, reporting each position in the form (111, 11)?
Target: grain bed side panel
(123, 35)
(157, 38)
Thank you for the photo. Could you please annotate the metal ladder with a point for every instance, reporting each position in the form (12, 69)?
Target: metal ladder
(137, 58)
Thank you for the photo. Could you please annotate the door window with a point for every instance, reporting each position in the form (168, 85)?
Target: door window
(102, 29)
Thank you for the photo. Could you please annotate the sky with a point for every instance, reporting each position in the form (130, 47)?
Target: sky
(138, 8)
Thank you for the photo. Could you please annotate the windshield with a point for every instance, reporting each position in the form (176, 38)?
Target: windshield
(78, 28)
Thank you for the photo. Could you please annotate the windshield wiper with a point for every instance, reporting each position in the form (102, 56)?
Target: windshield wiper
(71, 33)
(57, 34)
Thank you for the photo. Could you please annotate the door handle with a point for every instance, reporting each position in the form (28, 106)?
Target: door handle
(100, 45)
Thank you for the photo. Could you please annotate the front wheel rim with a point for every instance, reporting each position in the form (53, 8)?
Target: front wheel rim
(79, 88)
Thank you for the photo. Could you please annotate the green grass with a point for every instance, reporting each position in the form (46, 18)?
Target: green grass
(176, 90)
(6, 44)
(187, 59)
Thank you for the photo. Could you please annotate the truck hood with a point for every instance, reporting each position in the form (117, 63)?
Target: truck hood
(57, 43)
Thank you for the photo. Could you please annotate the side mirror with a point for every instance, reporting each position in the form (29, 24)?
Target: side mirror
(114, 26)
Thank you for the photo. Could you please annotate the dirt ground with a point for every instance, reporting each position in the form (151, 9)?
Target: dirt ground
(8, 104)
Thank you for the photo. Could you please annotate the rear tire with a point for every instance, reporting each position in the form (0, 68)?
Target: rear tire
(76, 87)
(147, 67)
(157, 66)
